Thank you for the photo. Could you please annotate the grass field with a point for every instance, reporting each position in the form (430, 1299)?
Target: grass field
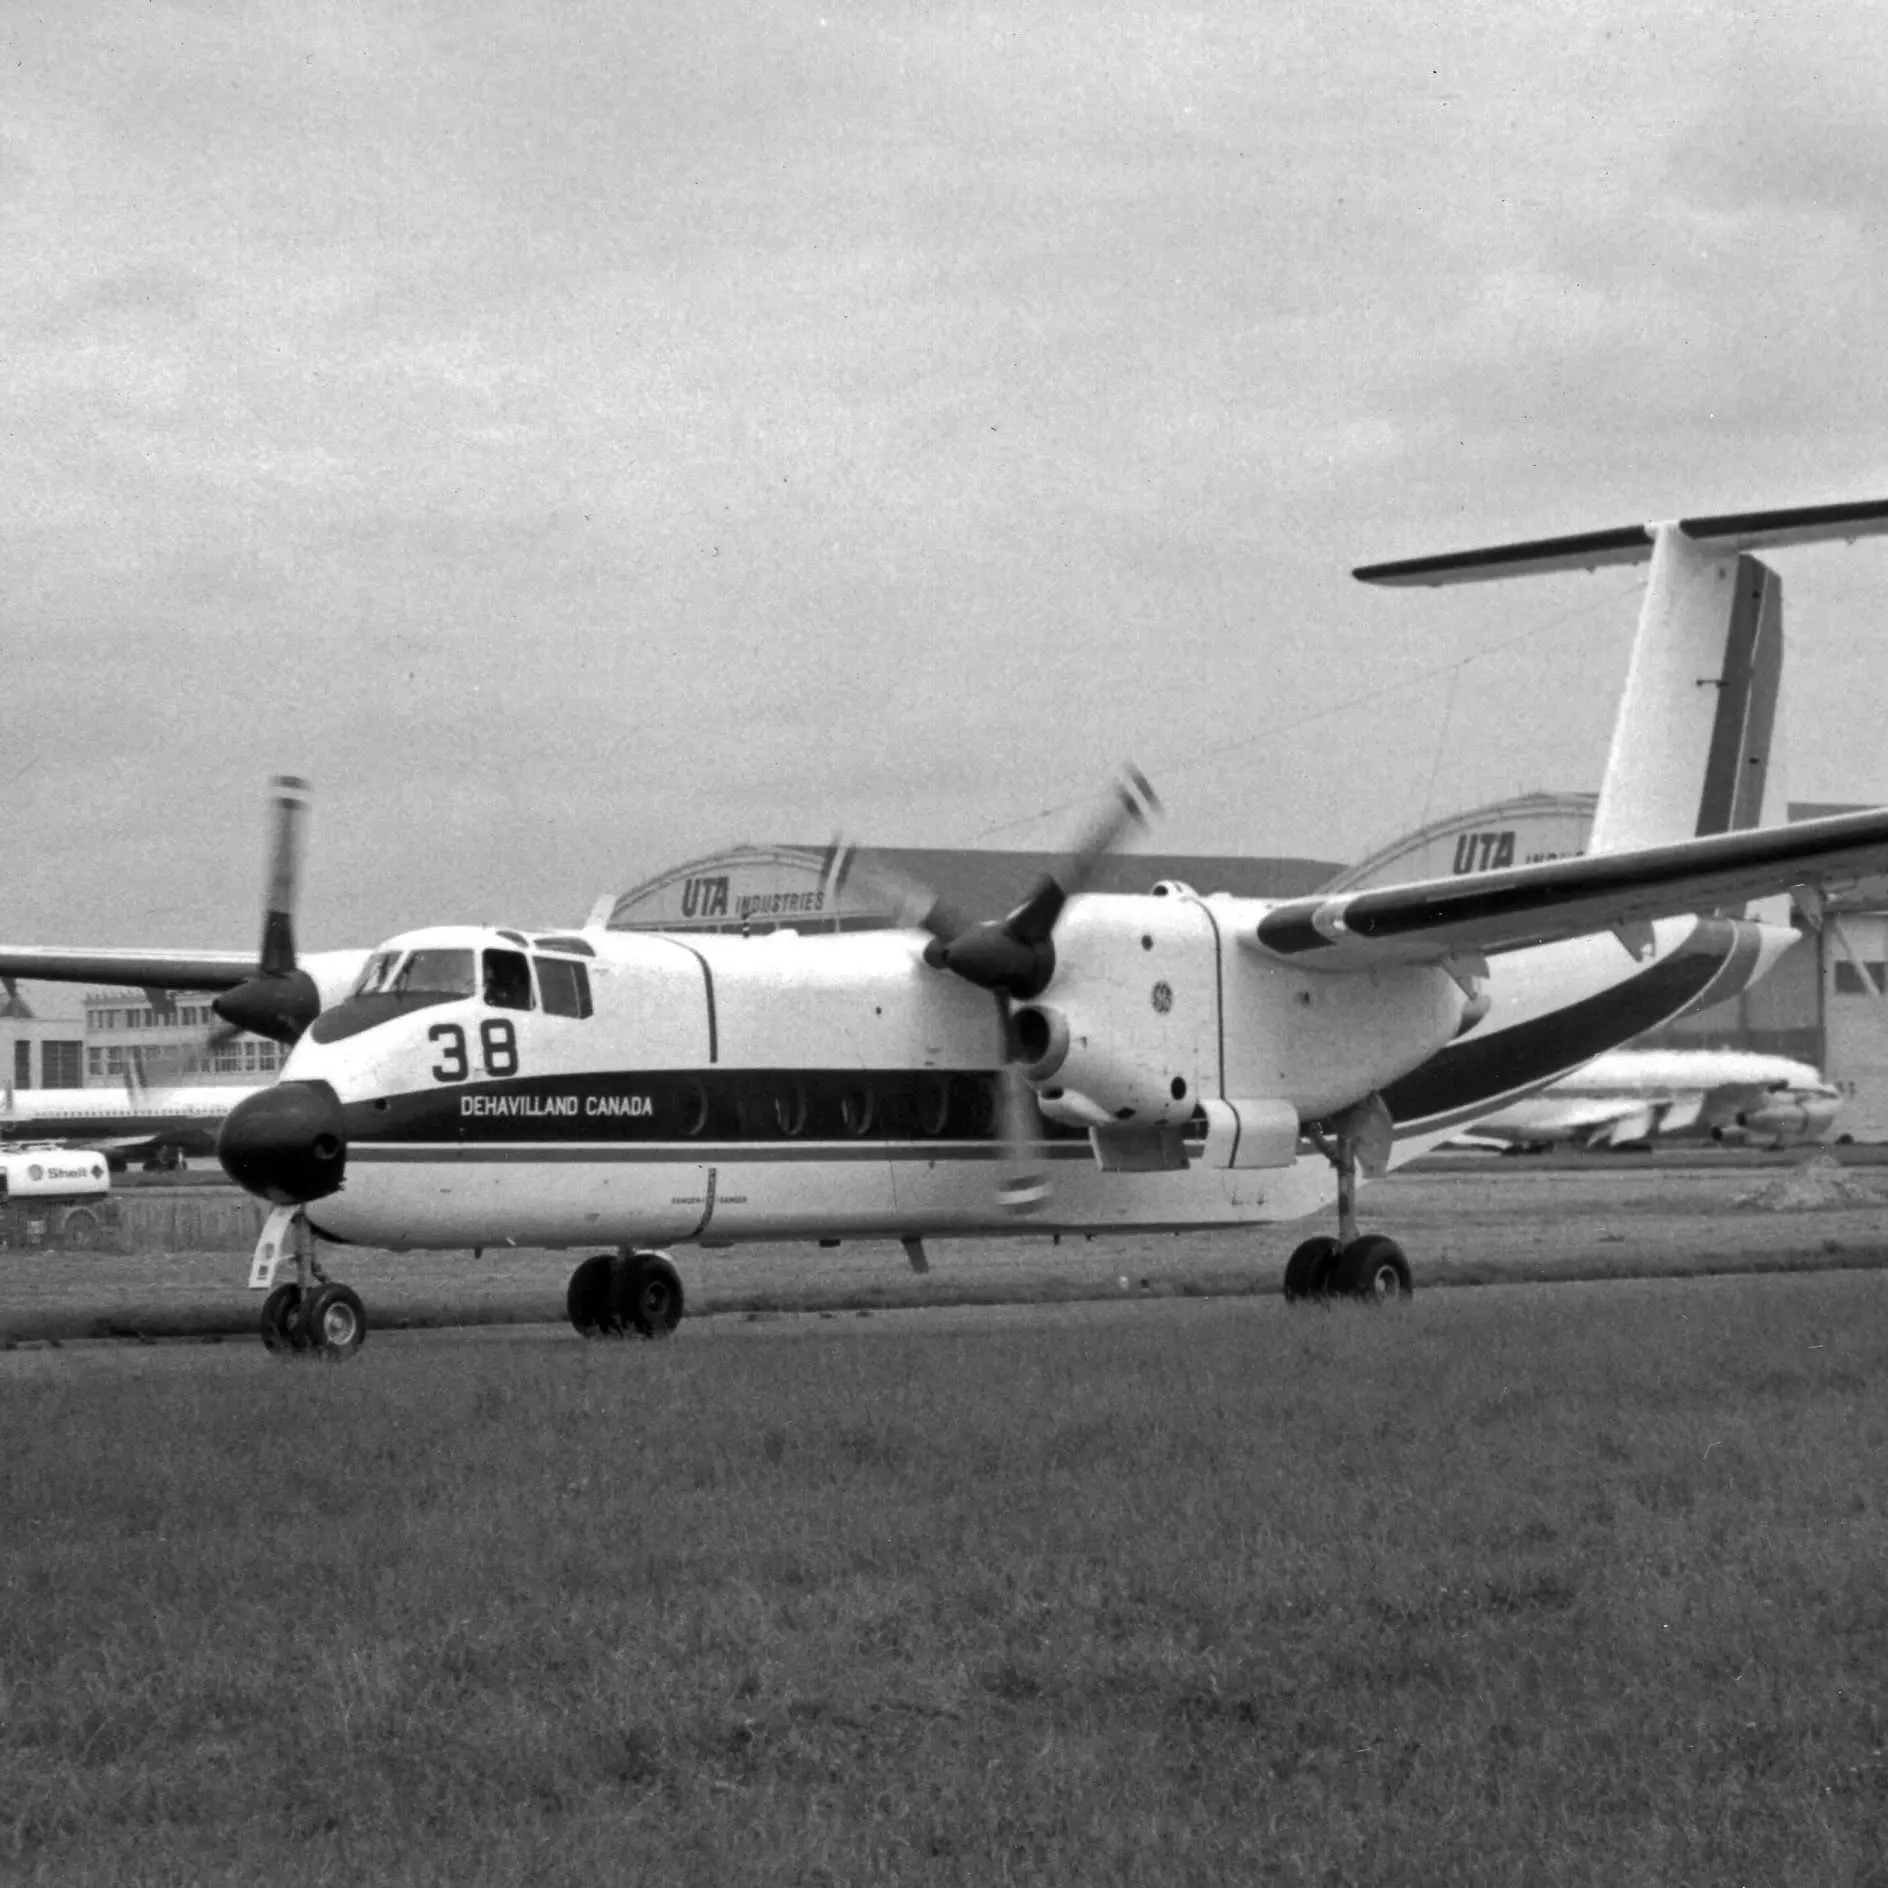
(1581, 1583)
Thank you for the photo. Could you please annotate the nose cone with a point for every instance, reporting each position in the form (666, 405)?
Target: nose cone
(286, 1144)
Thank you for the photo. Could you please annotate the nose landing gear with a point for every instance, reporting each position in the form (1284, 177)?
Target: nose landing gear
(310, 1316)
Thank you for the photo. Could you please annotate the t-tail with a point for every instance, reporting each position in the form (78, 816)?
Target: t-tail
(1696, 742)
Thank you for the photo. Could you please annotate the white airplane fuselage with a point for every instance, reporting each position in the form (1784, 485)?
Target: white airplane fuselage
(726, 1090)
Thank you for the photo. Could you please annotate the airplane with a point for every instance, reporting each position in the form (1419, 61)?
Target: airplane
(159, 1125)
(1088, 1063)
(1628, 1097)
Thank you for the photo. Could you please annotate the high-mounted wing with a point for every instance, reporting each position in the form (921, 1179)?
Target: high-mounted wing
(1489, 912)
(130, 970)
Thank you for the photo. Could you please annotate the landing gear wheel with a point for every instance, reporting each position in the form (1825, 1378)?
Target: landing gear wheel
(333, 1322)
(281, 1320)
(1308, 1270)
(587, 1299)
(646, 1295)
(1374, 1269)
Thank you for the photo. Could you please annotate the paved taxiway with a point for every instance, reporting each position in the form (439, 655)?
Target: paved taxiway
(1470, 1221)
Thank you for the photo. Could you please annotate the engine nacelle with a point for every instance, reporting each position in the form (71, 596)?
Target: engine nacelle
(1081, 1075)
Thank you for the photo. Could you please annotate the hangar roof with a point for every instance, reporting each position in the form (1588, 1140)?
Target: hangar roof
(835, 888)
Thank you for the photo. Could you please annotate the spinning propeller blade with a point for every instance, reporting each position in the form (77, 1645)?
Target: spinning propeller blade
(279, 1001)
(914, 905)
(1016, 955)
(1015, 958)
(1022, 1186)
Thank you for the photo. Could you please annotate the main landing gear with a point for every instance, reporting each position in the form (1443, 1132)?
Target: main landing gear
(625, 1294)
(1365, 1266)
(311, 1316)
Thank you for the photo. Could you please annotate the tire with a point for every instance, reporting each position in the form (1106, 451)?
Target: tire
(1308, 1270)
(1374, 1269)
(587, 1298)
(646, 1295)
(333, 1323)
(281, 1321)
(78, 1231)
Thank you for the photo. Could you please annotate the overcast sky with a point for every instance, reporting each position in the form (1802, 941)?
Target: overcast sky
(582, 437)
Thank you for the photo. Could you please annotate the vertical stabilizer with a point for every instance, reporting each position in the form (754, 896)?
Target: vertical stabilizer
(1691, 752)
(1691, 743)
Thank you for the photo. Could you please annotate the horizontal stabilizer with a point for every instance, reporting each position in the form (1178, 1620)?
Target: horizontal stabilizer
(1727, 533)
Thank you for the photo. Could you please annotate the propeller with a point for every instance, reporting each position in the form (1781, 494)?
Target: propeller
(280, 1000)
(286, 1143)
(1014, 957)
(1022, 1186)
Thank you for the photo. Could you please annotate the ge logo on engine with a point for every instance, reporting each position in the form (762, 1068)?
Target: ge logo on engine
(1163, 998)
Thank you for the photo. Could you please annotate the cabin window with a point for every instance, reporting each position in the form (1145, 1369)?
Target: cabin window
(790, 1108)
(436, 973)
(934, 1104)
(508, 980)
(565, 987)
(855, 1109)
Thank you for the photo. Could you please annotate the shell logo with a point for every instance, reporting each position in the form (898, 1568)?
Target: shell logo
(36, 1172)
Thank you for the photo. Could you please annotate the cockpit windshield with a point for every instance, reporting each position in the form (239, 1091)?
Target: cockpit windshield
(436, 973)
(378, 973)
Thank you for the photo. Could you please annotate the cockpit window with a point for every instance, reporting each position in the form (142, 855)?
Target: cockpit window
(565, 985)
(376, 973)
(437, 973)
(508, 980)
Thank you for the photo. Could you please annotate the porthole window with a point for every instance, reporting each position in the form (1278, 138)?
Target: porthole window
(981, 1109)
(855, 1109)
(692, 1100)
(790, 1108)
(934, 1104)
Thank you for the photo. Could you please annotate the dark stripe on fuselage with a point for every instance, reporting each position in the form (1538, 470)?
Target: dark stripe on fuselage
(709, 1107)
(713, 1156)
(1477, 1073)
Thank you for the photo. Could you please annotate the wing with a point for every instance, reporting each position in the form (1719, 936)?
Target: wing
(1561, 898)
(131, 970)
